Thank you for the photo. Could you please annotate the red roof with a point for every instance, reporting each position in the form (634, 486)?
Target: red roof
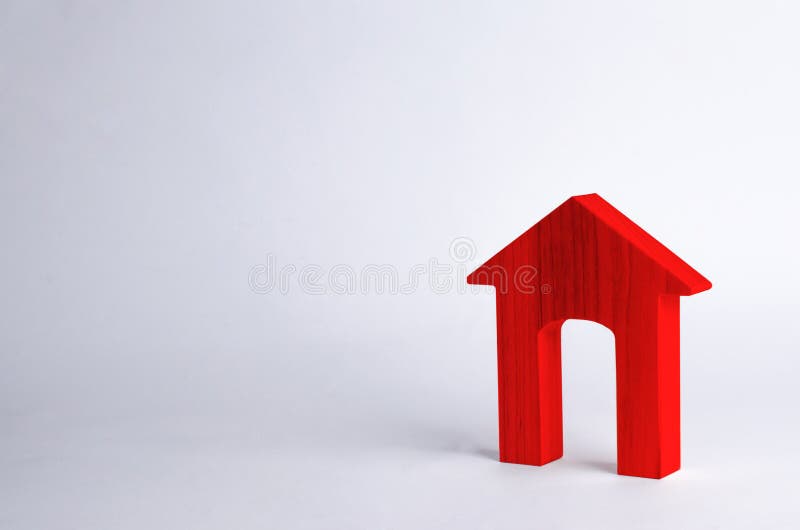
(692, 281)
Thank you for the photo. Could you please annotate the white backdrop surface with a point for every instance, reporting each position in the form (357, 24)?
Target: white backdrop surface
(154, 155)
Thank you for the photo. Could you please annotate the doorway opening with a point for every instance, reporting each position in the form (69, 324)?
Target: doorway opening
(589, 393)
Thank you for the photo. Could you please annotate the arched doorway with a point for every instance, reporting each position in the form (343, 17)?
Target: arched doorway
(589, 394)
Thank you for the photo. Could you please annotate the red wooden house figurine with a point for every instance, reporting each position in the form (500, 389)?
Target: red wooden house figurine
(593, 263)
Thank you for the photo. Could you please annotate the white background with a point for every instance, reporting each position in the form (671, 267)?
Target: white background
(153, 153)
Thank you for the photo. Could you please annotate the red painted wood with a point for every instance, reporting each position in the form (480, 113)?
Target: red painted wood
(586, 260)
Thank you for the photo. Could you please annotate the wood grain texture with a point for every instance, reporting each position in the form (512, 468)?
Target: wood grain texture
(586, 260)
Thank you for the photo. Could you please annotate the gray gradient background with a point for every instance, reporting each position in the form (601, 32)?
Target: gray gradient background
(151, 153)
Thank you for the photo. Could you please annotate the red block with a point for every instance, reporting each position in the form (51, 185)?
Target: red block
(586, 260)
